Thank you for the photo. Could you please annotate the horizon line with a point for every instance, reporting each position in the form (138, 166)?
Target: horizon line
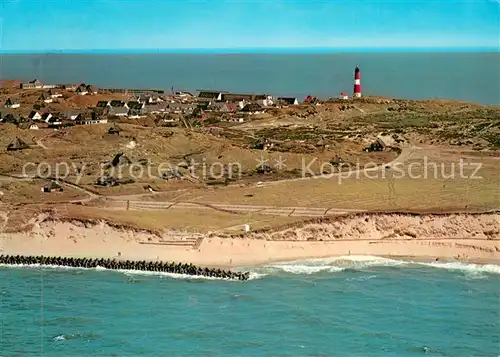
(263, 50)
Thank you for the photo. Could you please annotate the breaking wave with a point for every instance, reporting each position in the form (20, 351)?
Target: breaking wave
(361, 262)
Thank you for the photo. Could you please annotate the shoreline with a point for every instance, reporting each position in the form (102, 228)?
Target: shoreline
(453, 238)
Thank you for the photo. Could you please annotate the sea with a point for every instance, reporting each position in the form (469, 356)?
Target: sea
(471, 77)
(343, 306)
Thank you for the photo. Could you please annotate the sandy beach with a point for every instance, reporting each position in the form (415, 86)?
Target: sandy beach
(472, 238)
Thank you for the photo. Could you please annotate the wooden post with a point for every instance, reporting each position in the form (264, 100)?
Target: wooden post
(128, 205)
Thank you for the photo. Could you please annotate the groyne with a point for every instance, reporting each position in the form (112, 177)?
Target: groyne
(113, 264)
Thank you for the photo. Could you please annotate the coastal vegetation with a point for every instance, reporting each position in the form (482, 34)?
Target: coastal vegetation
(184, 158)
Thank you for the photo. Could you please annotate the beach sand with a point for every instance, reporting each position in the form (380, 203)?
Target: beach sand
(472, 238)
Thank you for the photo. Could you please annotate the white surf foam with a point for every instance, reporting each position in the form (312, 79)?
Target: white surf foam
(359, 262)
(332, 265)
(466, 267)
(304, 269)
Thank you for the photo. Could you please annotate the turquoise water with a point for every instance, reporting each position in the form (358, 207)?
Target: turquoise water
(473, 77)
(338, 307)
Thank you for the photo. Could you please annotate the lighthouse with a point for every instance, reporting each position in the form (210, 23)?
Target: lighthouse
(357, 83)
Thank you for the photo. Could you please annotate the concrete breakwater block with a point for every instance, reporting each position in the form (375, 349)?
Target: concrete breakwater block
(113, 264)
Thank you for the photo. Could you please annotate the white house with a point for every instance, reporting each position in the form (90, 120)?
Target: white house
(54, 121)
(34, 84)
(35, 116)
(34, 127)
(83, 119)
(265, 101)
(13, 104)
(344, 96)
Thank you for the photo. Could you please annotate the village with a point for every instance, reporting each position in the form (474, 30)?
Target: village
(40, 106)
(149, 127)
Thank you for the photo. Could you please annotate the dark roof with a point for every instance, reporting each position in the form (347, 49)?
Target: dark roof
(209, 95)
(117, 103)
(10, 101)
(11, 118)
(52, 185)
(288, 100)
(45, 115)
(32, 114)
(102, 104)
(232, 97)
(117, 110)
(134, 104)
(114, 128)
(251, 107)
(120, 159)
(17, 144)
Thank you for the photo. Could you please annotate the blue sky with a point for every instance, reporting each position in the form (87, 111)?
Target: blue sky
(41, 25)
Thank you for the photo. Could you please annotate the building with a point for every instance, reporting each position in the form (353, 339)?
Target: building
(89, 119)
(136, 113)
(357, 82)
(12, 104)
(344, 96)
(264, 100)
(118, 104)
(81, 89)
(10, 118)
(252, 108)
(288, 100)
(310, 99)
(223, 107)
(114, 129)
(71, 114)
(135, 104)
(149, 99)
(53, 94)
(17, 145)
(36, 126)
(34, 115)
(156, 108)
(52, 186)
(211, 95)
(53, 120)
(46, 117)
(91, 89)
(118, 111)
(181, 108)
(34, 84)
(45, 98)
(102, 104)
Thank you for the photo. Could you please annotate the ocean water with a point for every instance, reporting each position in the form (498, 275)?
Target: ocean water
(473, 77)
(347, 306)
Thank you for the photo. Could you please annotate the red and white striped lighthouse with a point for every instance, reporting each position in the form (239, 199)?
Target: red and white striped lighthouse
(357, 83)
